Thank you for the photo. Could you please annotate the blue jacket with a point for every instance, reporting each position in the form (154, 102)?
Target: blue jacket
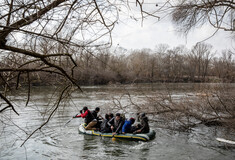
(127, 126)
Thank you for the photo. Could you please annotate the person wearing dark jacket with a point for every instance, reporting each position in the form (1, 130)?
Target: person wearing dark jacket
(104, 127)
(110, 115)
(144, 125)
(95, 114)
(116, 124)
(127, 126)
(89, 118)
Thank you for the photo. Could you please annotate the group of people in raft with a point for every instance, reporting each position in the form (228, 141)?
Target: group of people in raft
(113, 124)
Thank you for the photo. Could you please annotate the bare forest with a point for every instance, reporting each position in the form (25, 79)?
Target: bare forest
(164, 64)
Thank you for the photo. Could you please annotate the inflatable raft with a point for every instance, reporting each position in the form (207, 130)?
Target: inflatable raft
(128, 136)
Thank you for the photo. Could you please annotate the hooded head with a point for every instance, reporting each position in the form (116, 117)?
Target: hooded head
(142, 115)
(132, 120)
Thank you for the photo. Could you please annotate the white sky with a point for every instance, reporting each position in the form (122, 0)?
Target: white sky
(131, 35)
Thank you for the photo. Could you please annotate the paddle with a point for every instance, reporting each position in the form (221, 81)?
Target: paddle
(70, 120)
(67, 122)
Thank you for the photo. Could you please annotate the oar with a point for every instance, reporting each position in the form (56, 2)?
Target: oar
(69, 120)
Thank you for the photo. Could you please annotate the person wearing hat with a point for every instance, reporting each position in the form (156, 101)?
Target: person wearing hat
(116, 124)
(89, 118)
(127, 127)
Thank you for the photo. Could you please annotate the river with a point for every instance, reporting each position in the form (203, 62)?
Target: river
(59, 141)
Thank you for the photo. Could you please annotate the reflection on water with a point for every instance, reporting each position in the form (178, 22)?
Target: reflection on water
(56, 141)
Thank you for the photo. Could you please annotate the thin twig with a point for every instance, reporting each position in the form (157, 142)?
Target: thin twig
(48, 119)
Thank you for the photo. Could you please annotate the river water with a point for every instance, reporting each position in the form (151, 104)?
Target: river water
(59, 141)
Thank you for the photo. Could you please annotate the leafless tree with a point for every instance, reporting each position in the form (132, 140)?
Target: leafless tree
(200, 57)
(189, 14)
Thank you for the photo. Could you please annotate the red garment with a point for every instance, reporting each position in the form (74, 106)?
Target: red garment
(83, 115)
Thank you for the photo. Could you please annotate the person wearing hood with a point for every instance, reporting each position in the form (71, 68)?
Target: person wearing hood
(144, 125)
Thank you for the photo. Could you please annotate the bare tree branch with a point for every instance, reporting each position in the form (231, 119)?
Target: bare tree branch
(51, 114)
(27, 20)
(9, 104)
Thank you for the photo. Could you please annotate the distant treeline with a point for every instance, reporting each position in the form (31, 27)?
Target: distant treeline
(163, 64)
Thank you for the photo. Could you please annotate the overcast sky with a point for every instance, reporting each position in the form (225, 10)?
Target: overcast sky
(131, 35)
